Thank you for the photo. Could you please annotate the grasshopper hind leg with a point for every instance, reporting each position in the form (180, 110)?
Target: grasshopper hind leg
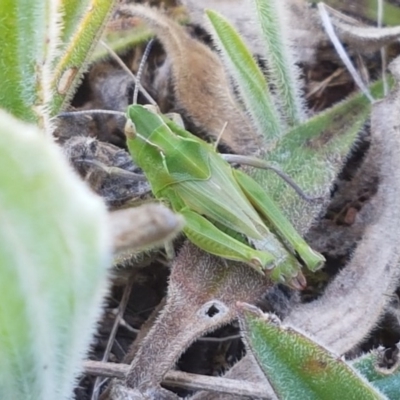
(280, 224)
(208, 237)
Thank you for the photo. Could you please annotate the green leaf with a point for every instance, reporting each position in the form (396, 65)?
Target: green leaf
(32, 83)
(387, 381)
(250, 81)
(25, 29)
(54, 255)
(296, 367)
(283, 72)
(312, 154)
(73, 61)
(72, 13)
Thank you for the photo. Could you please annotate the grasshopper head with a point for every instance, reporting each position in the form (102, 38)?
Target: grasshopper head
(144, 120)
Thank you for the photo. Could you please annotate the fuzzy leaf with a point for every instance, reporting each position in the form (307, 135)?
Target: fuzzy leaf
(387, 380)
(250, 80)
(313, 154)
(27, 34)
(54, 254)
(283, 72)
(297, 367)
(72, 12)
(73, 61)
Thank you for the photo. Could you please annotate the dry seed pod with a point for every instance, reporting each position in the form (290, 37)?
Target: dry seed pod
(141, 227)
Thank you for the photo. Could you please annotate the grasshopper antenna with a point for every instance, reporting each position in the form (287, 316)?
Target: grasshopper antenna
(257, 163)
(140, 71)
(87, 112)
(220, 135)
(135, 79)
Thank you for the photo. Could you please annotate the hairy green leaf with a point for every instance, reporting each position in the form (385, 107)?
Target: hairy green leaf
(312, 154)
(73, 61)
(249, 78)
(54, 254)
(283, 72)
(28, 30)
(387, 380)
(296, 367)
(72, 12)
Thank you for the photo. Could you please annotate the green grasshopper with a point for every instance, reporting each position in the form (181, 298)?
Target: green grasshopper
(223, 207)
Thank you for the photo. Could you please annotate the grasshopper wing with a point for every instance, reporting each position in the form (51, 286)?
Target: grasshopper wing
(221, 199)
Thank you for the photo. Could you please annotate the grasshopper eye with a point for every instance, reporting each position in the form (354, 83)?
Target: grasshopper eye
(130, 129)
(175, 117)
